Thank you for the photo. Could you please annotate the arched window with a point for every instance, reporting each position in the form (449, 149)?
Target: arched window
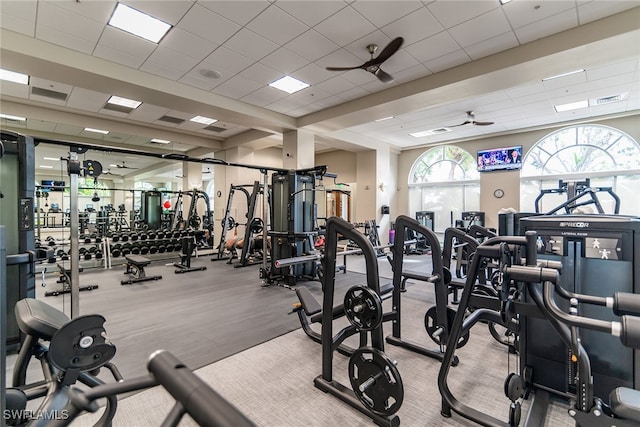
(604, 155)
(444, 180)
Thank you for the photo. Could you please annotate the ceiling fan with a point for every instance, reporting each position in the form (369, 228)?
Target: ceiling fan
(108, 172)
(373, 65)
(471, 121)
(122, 166)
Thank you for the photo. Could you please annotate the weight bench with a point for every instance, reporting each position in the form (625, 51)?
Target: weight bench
(135, 268)
(65, 280)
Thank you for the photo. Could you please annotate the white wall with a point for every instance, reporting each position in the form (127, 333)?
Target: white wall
(509, 181)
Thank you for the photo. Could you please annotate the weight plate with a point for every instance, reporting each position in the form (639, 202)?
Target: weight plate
(431, 325)
(376, 381)
(363, 308)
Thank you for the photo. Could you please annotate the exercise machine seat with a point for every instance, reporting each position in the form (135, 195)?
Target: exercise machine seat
(625, 403)
(39, 319)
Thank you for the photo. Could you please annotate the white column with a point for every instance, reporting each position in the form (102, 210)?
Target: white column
(298, 150)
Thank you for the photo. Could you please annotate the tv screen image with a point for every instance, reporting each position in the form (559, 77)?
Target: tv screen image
(507, 158)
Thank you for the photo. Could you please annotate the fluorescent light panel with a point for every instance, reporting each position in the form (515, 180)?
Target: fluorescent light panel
(12, 76)
(138, 23)
(104, 132)
(10, 117)
(571, 106)
(160, 141)
(203, 120)
(46, 167)
(564, 75)
(55, 159)
(384, 118)
(420, 134)
(289, 84)
(124, 102)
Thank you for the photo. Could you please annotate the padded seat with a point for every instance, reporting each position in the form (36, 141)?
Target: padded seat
(625, 403)
(39, 319)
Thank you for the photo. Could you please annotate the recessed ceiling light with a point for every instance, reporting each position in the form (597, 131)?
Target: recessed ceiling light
(203, 120)
(104, 132)
(55, 159)
(572, 106)
(420, 134)
(384, 118)
(12, 76)
(124, 102)
(289, 84)
(564, 74)
(10, 117)
(138, 23)
(160, 141)
(46, 167)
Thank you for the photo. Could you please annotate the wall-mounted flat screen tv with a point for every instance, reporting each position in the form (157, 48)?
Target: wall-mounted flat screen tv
(495, 159)
(49, 185)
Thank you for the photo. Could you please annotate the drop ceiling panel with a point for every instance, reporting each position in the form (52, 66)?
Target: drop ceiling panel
(228, 60)
(483, 27)
(14, 89)
(240, 12)
(261, 73)
(118, 46)
(237, 87)
(148, 112)
(451, 13)
(85, 99)
(521, 13)
(277, 26)
(447, 61)
(99, 11)
(263, 96)
(359, 47)
(345, 26)
(67, 22)
(311, 12)
(41, 125)
(207, 24)
(167, 11)
(195, 79)
(493, 45)
(284, 61)
(250, 44)
(188, 43)
(546, 27)
(594, 10)
(169, 63)
(312, 45)
(382, 13)
(414, 27)
(64, 39)
(433, 47)
(19, 16)
(411, 73)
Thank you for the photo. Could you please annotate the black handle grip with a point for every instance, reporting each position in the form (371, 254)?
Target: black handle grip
(626, 303)
(202, 403)
(630, 334)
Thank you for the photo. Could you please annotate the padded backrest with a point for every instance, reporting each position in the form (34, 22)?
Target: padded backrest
(39, 319)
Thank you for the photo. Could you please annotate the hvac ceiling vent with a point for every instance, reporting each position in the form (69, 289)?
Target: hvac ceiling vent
(215, 128)
(608, 99)
(60, 96)
(439, 131)
(170, 119)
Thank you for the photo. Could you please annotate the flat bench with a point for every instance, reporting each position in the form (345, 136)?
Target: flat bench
(135, 268)
(65, 279)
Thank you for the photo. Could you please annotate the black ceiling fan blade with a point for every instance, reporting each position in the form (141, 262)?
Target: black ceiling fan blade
(389, 50)
(466, 122)
(384, 77)
(342, 68)
(482, 123)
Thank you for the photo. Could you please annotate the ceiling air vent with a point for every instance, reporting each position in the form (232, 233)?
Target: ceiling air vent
(608, 99)
(170, 119)
(60, 96)
(215, 129)
(439, 130)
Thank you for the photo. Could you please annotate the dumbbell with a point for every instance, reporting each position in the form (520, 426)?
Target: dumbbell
(134, 237)
(144, 250)
(116, 252)
(125, 251)
(143, 236)
(135, 250)
(153, 249)
(115, 238)
(88, 256)
(98, 255)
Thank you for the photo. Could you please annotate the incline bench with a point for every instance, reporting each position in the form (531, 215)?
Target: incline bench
(135, 267)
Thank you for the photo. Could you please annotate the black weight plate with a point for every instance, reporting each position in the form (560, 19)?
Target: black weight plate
(363, 308)
(376, 381)
(431, 326)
